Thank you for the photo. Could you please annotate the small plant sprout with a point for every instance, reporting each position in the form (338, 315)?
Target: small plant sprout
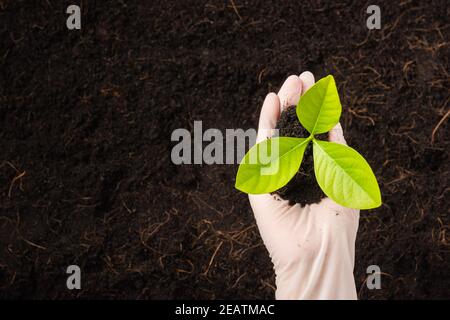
(341, 172)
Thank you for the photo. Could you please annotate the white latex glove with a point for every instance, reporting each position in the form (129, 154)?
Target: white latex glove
(312, 247)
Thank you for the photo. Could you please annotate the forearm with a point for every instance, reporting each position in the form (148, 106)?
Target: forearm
(329, 277)
(321, 262)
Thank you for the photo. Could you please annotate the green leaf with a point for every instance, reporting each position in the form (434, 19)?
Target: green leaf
(319, 108)
(345, 176)
(270, 164)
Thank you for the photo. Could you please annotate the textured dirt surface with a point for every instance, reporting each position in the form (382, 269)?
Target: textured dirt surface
(303, 187)
(86, 119)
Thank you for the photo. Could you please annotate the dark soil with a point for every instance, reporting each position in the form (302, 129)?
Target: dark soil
(86, 118)
(303, 187)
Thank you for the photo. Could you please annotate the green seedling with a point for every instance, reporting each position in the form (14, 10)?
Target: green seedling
(341, 172)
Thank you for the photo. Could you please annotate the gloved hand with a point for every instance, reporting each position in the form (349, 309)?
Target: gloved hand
(312, 247)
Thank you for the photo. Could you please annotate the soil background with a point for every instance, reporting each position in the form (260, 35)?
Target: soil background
(86, 119)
